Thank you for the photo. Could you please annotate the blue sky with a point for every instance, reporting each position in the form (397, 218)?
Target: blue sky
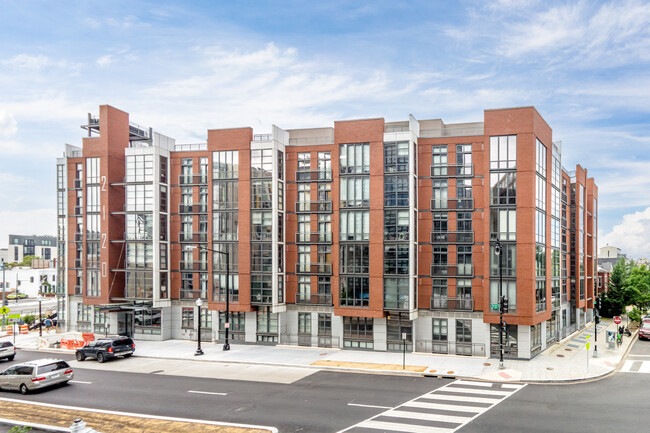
(184, 67)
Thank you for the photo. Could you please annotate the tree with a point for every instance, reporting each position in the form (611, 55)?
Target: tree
(637, 288)
(616, 297)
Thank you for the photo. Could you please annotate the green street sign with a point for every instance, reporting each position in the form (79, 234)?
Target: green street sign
(494, 306)
(13, 316)
(4, 310)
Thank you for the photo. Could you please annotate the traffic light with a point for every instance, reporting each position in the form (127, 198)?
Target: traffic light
(597, 303)
(504, 325)
(597, 319)
(504, 304)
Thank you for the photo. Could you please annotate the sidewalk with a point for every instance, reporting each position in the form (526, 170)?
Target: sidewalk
(567, 361)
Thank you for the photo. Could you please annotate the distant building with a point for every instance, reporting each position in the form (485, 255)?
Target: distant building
(29, 281)
(603, 280)
(608, 257)
(38, 246)
(4, 255)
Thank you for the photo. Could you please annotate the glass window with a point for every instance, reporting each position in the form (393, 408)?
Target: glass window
(503, 152)
(396, 259)
(503, 188)
(396, 225)
(355, 158)
(540, 158)
(187, 320)
(396, 157)
(225, 164)
(261, 163)
(396, 191)
(396, 293)
(355, 291)
(358, 333)
(355, 259)
(439, 160)
(355, 225)
(355, 192)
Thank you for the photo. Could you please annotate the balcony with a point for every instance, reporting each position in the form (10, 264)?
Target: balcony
(77, 263)
(452, 204)
(78, 210)
(221, 297)
(78, 237)
(320, 206)
(314, 299)
(314, 175)
(314, 238)
(454, 304)
(188, 294)
(261, 297)
(193, 179)
(455, 270)
(452, 237)
(314, 268)
(452, 170)
(193, 266)
(193, 208)
(193, 237)
(77, 184)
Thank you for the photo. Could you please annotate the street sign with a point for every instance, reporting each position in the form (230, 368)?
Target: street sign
(14, 320)
(5, 310)
(494, 306)
(617, 320)
(14, 316)
(588, 343)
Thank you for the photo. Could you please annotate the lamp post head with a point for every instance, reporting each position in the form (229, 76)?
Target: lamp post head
(497, 248)
(39, 298)
(199, 302)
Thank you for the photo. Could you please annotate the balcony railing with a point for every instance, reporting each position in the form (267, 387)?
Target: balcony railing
(452, 170)
(314, 238)
(314, 298)
(221, 297)
(78, 210)
(457, 304)
(313, 175)
(77, 184)
(193, 179)
(452, 237)
(192, 237)
(193, 208)
(455, 270)
(438, 204)
(193, 266)
(193, 294)
(450, 348)
(314, 206)
(258, 298)
(78, 237)
(77, 290)
(77, 263)
(314, 268)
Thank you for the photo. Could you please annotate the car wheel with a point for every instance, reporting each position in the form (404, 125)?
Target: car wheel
(11, 358)
(23, 389)
(100, 357)
(128, 356)
(80, 356)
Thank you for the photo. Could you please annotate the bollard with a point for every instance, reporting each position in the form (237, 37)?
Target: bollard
(79, 426)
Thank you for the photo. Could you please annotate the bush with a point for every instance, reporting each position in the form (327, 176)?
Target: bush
(635, 315)
(29, 318)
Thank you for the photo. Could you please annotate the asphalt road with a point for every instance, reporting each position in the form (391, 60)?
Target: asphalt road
(329, 401)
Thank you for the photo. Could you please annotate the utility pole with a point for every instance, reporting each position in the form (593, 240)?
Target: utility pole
(4, 284)
(497, 251)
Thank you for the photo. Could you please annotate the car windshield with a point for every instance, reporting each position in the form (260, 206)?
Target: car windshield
(646, 325)
(5, 344)
(60, 365)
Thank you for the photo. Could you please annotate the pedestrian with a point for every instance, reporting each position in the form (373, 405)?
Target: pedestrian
(48, 324)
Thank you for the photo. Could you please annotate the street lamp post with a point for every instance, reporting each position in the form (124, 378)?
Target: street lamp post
(226, 344)
(4, 284)
(199, 302)
(497, 251)
(40, 316)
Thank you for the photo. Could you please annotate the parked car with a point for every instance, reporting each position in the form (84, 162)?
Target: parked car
(644, 330)
(12, 296)
(7, 350)
(106, 348)
(38, 374)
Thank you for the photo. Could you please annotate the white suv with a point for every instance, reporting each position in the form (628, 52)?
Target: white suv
(36, 374)
(7, 350)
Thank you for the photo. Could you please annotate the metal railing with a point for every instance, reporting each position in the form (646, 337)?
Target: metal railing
(453, 270)
(221, 297)
(313, 175)
(193, 237)
(452, 237)
(78, 237)
(311, 140)
(258, 298)
(262, 137)
(77, 263)
(193, 266)
(192, 147)
(452, 131)
(450, 348)
(314, 298)
(314, 206)
(78, 184)
(193, 179)
(314, 268)
(192, 294)
(451, 170)
(452, 204)
(193, 208)
(458, 304)
(314, 238)
(78, 210)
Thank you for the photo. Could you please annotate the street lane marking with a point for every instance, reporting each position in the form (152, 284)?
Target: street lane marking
(210, 393)
(369, 405)
(80, 381)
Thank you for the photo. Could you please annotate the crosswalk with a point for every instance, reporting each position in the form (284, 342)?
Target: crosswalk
(635, 366)
(443, 410)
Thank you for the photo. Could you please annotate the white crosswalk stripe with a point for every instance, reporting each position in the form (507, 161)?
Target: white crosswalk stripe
(635, 366)
(442, 410)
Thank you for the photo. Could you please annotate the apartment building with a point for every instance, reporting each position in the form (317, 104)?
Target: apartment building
(362, 235)
(39, 246)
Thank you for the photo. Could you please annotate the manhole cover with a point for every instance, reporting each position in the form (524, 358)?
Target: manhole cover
(487, 364)
(549, 368)
(560, 355)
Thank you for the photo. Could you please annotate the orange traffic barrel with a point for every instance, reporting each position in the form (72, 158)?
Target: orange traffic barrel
(24, 329)
(10, 330)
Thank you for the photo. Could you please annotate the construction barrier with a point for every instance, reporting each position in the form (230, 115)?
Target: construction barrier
(24, 329)
(10, 329)
(88, 337)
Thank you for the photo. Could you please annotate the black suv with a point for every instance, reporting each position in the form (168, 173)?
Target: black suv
(106, 348)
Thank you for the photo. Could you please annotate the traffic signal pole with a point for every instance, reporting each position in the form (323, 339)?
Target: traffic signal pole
(497, 251)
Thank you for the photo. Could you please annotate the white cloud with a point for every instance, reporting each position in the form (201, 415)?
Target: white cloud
(104, 61)
(27, 62)
(8, 124)
(27, 222)
(632, 235)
